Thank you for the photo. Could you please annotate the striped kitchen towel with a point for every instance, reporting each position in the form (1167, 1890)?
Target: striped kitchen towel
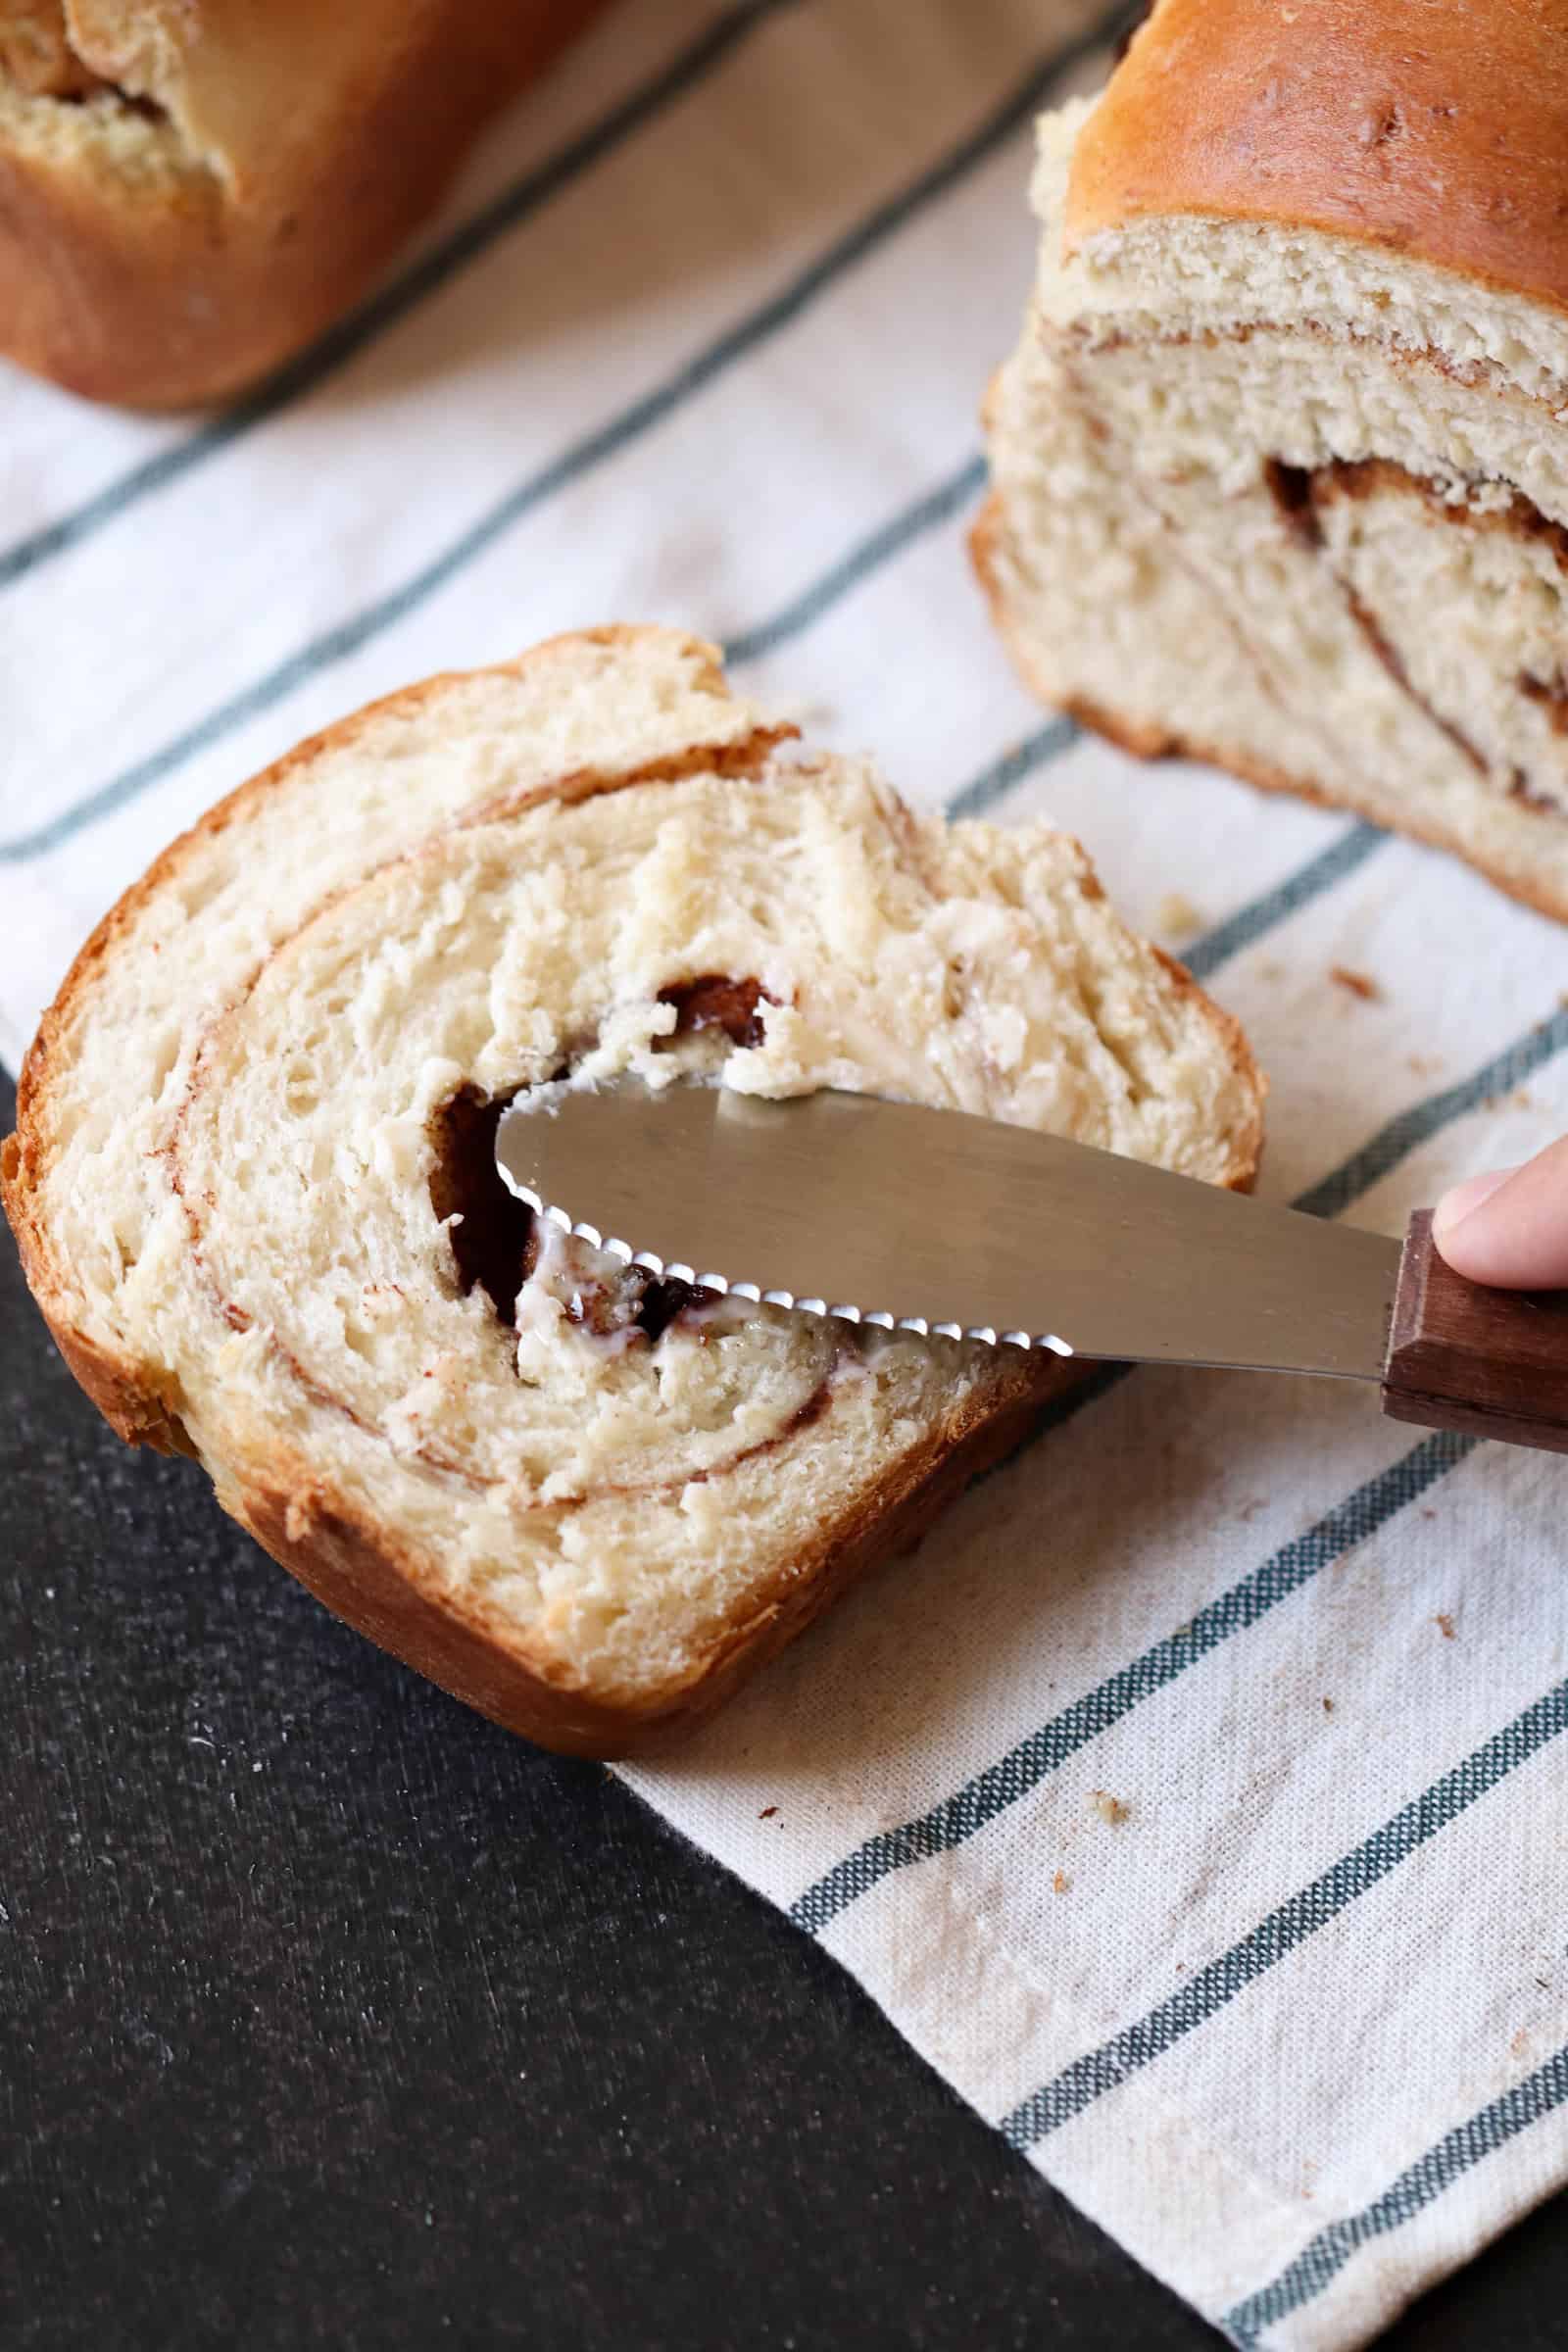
(1194, 1800)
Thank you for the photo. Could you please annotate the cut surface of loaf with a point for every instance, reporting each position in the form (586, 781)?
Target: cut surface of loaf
(190, 188)
(1281, 462)
(254, 1187)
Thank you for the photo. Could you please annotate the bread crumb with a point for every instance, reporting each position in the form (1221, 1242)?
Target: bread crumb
(1328, 1706)
(767, 1813)
(1444, 1624)
(1177, 916)
(1358, 983)
(1060, 1882)
(1109, 1808)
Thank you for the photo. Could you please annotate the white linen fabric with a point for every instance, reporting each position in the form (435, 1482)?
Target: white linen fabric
(1193, 1800)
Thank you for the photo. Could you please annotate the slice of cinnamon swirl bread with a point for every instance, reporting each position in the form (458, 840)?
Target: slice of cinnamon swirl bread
(254, 1187)
(1281, 465)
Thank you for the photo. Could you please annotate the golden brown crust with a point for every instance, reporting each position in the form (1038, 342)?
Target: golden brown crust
(1440, 132)
(238, 178)
(126, 1395)
(1247, 1157)
(1158, 742)
(1147, 739)
(36, 50)
(333, 1547)
(361, 1576)
(24, 1155)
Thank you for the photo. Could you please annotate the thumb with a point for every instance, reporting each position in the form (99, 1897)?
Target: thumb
(1510, 1230)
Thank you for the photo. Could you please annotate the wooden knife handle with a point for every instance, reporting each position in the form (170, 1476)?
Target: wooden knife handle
(1494, 1363)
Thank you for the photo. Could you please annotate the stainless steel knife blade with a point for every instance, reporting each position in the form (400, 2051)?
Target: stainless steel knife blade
(934, 1220)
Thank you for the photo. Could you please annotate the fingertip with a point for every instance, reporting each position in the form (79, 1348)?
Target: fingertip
(1462, 1201)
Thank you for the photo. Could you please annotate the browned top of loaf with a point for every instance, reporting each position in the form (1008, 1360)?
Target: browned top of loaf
(1437, 127)
(291, 146)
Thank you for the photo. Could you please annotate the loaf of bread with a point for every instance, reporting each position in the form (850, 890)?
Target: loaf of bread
(190, 188)
(254, 1186)
(1281, 465)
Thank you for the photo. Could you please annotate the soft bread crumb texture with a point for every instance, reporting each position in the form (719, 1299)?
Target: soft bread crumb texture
(1437, 130)
(231, 1121)
(1285, 496)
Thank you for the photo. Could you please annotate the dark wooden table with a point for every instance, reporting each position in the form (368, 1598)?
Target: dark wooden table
(331, 2016)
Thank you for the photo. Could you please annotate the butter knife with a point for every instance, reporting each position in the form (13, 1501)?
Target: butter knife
(892, 1215)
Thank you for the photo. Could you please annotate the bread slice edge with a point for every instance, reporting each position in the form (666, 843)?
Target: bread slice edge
(1146, 739)
(326, 1539)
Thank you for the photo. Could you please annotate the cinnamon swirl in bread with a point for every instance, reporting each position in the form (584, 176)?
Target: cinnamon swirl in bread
(1281, 463)
(254, 1188)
